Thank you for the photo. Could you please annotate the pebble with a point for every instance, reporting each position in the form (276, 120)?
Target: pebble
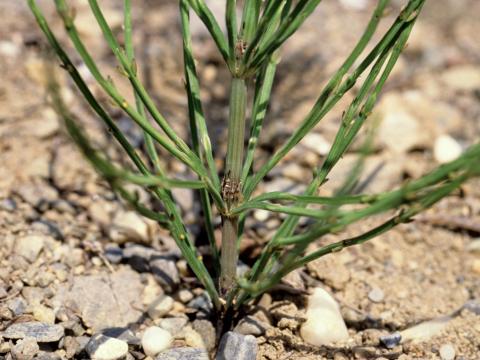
(376, 295)
(183, 353)
(17, 306)
(29, 246)
(122, 333)
(425, 330)
(317, 143)
(447, 352)
(138, 256)
(193, 338)
(321, 305)
(251, 326)
(354, 4)
(41, 332)
(446, 149)
(202, 303)
(156, 340)
(173, 325)
(237, 346)
(129, 226)
(114, 254)
(184, 295)
(8, 204)
(105, 299)
(473, 306)
(37, 195)
(160, 307)
(462, 78)
(206, 331)
(25, 349)
(101, 347)
(391, 340)
(43, 314)
(165, 271)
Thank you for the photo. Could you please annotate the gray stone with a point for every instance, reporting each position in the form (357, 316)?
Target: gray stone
(391, 340)
(29, 246)
(165, 271)
(104, 300)
(101, 347)
(113, 254)
(38, 195)
(173, 325)
(237, 346)
(138, 256)
(122, 333)
(42, 333)
(473, 306)
(129, 226)
(25, 349)
(184, 353)
(251, 326)
(8, 204)
(17, 306)
(206, 331)
(202, 303)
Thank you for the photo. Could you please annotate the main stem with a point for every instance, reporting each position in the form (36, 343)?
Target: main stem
(231, 186)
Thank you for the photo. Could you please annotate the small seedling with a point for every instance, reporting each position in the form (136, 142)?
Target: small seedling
(250, 50)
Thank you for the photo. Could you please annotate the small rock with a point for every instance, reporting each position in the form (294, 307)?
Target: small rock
(173, 325)
(237, 346)
(183, 353)
(391, 340)
(129, 226)
(17, 306)
(29, 246)
(185, 295)
(42, 333)
(155, 340)
(376, 295)
(122, 333)
(101, 347)
(473, 306)
(354, 4)
(317, 143)
(43, 314)
(138, 256)
(9, 49)
(104, 299)
(37, 195)
(202, 303)
(165, 271)
(446, 149)
(193, 338)
(321, 305)
(160, 307)
(25, 349)
(48, 126)
(462, 78)
(251, 326)
(8, 204)
(447, 352)
(425, 330)
(206, 331)
(113, 254)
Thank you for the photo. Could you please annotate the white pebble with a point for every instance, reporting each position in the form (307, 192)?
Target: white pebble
(160, 307)
(324, 323)
(156, 340)
(376, 295)
(446, 149)
(447, 352)
(101, 347)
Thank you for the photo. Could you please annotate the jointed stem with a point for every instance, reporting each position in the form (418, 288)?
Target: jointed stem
(231, 186)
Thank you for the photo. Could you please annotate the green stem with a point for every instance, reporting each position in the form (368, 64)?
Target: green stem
(231, 187)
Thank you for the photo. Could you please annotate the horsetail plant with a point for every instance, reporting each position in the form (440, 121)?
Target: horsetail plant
(250, 49)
